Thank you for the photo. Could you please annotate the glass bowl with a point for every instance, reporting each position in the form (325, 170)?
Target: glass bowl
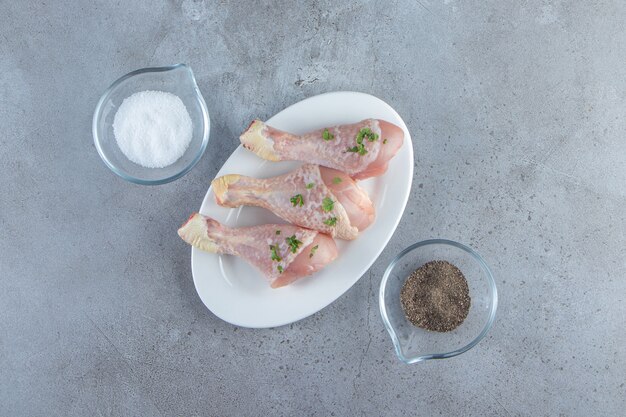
(176, 79)
(414, 344)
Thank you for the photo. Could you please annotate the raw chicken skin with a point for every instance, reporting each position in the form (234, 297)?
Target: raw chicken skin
(329, 146)
(348, 209)
(353, 198)
(254, 244)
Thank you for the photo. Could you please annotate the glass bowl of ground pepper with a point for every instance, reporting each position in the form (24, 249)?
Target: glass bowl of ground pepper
(438, 299)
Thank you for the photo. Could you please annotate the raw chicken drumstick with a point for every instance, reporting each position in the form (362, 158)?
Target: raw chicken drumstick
(361, 150)
(282, 252)
(314, 197)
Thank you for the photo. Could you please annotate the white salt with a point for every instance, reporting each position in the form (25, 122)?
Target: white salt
(152, 128)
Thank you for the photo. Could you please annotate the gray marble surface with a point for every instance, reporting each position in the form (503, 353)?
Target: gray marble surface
(518, 114)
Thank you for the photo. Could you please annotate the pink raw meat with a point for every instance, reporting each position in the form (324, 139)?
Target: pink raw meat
(334, 147)
(311, 196)
(259, 244)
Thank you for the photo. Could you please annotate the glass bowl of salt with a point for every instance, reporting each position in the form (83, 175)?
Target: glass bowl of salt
(151, 126)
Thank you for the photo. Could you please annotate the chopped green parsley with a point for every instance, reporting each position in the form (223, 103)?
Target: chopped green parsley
(331, 222)
(366, 133)
(297, 200)
(326, 135)
(327, 204)
(360, 149)
(275, 256)
(293, 243)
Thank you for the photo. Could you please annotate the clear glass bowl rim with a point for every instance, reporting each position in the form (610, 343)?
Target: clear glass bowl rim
(383, 311)
(98, 113)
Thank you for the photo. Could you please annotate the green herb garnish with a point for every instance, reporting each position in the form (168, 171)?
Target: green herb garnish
(280, 269)
(278, 232)
(297, 200)
(384, 141)
(326, 135)
(327, 204)
(336, 180)
(275, 256)
(293, 243)
(331, 222)
(366, 133)
(313, 250)
(310, 185)
(360, 149)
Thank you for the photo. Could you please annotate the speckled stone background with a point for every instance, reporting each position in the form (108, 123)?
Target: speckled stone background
(518, 116)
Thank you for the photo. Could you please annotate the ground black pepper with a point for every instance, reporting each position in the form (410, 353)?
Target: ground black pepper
(436, 297)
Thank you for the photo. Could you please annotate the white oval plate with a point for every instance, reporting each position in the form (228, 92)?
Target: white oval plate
(234, 291)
